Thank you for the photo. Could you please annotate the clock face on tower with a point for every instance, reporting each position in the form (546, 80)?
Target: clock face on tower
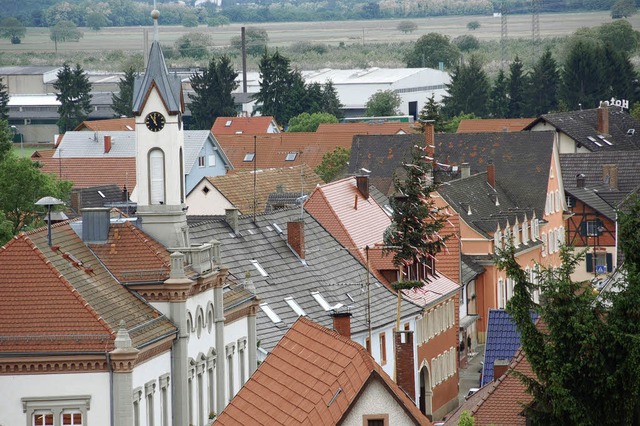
(154, 121)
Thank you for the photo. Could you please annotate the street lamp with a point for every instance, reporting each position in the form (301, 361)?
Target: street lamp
(15, 132)
(49, 202)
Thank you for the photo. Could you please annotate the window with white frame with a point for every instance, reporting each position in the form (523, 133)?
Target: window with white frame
(211, 376)
(230, 352)
(165, 390)
(536, 228)
(242, 363)
(56, 411)
(500, 293)
(558, 201)
(552, 242)
(201, 161)
(137, 397)
(149, 392)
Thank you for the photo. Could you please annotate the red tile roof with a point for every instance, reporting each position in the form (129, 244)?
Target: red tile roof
(87, 172)
(354, 221)
(245, 125)
(238, 187)
(114, 124)
(492, 125)
(500, 402)
(448, 260)
(366, 128)
(61, 298)
(272, 149)
(297, 381)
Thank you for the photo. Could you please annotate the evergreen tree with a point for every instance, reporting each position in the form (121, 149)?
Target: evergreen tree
(212, 96)
(282, 89)
(74, 95)
(330, 102)
(620, 74)
(588, 349)
(468, 90)
(431, 112)
(498, 101)
(542, 90)
(415, 223)
(516, 90)
(584, 75)
(122, 103)
(4, 101)
(313, 98)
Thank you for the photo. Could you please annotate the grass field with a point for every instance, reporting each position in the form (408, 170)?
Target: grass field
(93, 49)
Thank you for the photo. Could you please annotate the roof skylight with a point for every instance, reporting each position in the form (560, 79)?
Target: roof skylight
(259, 268)
(249, 156)
(294, 305)
(228, 123)
(324, 304)
(291, 156)
(270, 313)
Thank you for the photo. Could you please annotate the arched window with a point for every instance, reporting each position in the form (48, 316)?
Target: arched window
(156, 177)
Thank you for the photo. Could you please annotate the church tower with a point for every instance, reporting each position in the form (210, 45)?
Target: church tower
(158, 104)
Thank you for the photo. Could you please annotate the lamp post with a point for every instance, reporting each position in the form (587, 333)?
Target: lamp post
(49, 202)
(15, 132)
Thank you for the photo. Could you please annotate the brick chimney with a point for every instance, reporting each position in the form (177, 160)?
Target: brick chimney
(491, 174)
(362, 182)
(580, 180)
(405, 370)
(603, 118)
(610, 175)
(342, 323)
(107, 143)
(500, 366)
(465, 170)
(295, 237)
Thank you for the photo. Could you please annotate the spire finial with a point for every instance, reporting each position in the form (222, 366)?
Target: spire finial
(155, 14)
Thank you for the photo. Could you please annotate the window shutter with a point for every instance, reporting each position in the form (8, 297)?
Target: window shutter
(589, 260)
(609, 262)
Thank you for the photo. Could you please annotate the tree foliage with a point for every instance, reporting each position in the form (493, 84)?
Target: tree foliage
(623, 9)
(466, 419)
(218, 21)
(96, 20)
(74, 94)
(588, 350)
(583, 75)
(64, 31)
(466, 42)
(213, 93)
(468, 90)
(306, 122)
(282, 90)
(122, 103)
(383, 103)
(333, 164)
(516, 87)
(430, 50)
(193, 45)
(542, 90)
(473, 25)
(407, 26)
(499, 99)
(13, 29)
(256, 39)
(431, 112)
(4, 101)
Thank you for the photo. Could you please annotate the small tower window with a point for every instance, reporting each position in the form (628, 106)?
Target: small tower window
(156, 177)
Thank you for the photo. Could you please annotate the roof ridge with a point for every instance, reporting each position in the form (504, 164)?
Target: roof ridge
(85, 303)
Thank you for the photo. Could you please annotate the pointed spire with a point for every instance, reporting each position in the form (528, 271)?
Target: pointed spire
(155, 14)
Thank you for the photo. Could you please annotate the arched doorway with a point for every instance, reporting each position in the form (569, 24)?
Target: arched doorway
(425, 390)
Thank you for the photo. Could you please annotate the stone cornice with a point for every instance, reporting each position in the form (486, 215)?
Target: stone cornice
(240, 312)
(54, 364)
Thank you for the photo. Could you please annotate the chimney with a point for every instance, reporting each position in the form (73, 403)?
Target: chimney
(500, 366)
(491, 174)
(405, 370)
(107, 143)
(465, 170)
(125, 194)
(295, 237)
(610, 175)
(580, 179)
(342, 323)
(363, 185)
(95, 224)
(231, 216)
(429, 138)
(603, 118)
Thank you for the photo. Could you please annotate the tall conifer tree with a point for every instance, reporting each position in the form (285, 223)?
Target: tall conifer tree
(74, 95)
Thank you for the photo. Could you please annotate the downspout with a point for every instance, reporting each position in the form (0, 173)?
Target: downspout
(111, 413)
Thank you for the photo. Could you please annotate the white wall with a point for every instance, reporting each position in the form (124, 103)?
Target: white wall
(15, 387)
(149, 371)
(211, 203)
(376, 399)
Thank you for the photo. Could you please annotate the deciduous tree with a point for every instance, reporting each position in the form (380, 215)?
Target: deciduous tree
(256, 39)
(213, 93)
(64, 31)
(623, 9)
(306, 122)
(4, 101)
(13, 29)
(122, 103)
(407, 26)
(193, 45)
(74, 94)
(383, 103)
(430, 50)
(334, 164)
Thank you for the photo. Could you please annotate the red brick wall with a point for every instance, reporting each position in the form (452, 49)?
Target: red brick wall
(405, 374)
(295, 237)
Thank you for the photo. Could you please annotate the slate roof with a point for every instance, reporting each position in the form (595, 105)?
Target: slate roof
(503, 341)
(297, 382)
(238, 187)
(366, 128)
(84, 144)
(500, 403)
(272, 149)
(111, 125)
(96, 196)
(62, 299)
(522, 161)
(257, 125)
(278, 200)
(492, 125)
(591, 166)
(583, 125)
(382, 155)
(328, 269)
(475, 195)
(591, 197)
(156, 75)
